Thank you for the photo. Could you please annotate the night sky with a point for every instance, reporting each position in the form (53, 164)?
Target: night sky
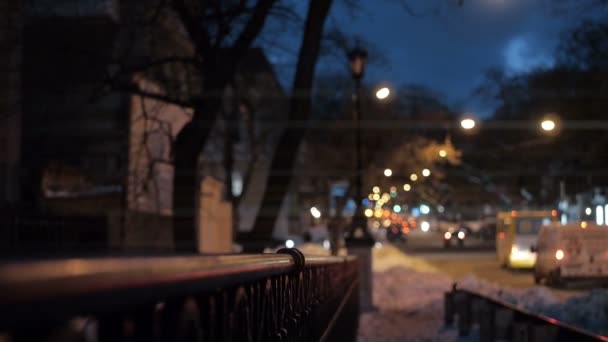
(447, 51)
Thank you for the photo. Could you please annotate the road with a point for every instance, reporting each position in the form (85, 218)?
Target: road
(477, 258)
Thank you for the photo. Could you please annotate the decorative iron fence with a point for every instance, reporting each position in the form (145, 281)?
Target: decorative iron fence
(268, 297)
(501, 321)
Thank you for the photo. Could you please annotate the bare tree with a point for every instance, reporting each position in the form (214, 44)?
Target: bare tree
(300, 108)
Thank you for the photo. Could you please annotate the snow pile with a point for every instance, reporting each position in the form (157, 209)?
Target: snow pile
(525, 298)
(409, 307)
(408, 295)
(588, 311)
(388, 257)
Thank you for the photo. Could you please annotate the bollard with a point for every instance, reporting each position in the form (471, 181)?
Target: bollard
(503, 319)
(448, 308)
(486, 322)
(364, 254)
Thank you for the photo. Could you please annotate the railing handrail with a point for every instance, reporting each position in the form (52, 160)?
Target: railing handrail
(34, 280)
(535, 317)
(218, 297)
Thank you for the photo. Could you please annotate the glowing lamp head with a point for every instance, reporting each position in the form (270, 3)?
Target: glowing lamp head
(468, 123)
(559, 254)
(383, 93)
(547, 125)
(315, 212)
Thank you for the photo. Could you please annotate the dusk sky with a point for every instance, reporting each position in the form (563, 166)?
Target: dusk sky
(450, 50)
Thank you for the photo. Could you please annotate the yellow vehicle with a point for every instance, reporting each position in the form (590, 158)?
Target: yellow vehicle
(516, 234)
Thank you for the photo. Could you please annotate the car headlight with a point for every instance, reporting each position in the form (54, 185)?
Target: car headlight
(461, 235)
(447, 235)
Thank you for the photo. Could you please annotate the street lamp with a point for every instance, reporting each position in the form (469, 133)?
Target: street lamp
(383, 93)
(426, 172)
(358, 233)
(548, 125)
(388, 172)
(468, 123)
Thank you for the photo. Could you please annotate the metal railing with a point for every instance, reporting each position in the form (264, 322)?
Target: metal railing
(268, 297)
(499, 320)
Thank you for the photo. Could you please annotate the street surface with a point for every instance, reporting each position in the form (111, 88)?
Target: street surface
(479, 259)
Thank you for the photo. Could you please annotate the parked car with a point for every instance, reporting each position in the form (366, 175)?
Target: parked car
(569, 252)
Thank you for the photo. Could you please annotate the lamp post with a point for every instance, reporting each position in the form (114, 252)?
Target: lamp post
(358, 233)
(358, 239)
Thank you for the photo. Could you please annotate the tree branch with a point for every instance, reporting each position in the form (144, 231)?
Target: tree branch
(252, 28)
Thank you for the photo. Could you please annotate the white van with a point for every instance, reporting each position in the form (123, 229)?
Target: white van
(572, 251)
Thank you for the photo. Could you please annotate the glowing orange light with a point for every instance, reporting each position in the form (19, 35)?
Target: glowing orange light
(553, 212)
(501, 235)
(514, 213)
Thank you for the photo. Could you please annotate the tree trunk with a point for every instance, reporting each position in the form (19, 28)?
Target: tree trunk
(187, 148)
(289, 142)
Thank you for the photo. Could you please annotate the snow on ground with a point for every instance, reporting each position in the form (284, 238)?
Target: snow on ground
(387, 257)
(588, 311)
(408, 295)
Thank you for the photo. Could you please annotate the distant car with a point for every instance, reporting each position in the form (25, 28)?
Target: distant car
(455, 237)
(395, 234)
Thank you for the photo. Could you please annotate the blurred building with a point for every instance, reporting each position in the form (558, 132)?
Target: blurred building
(107, 155)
